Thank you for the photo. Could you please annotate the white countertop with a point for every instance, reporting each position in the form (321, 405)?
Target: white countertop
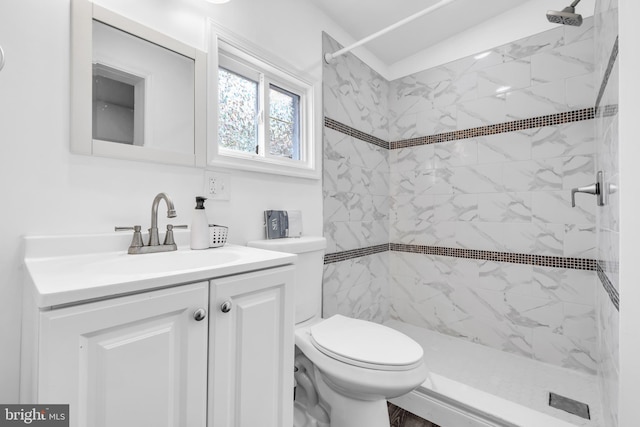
(68, 269)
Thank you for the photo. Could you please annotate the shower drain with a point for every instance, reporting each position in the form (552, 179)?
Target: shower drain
(569, 405)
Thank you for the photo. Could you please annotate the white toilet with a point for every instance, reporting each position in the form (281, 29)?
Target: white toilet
(346, 369)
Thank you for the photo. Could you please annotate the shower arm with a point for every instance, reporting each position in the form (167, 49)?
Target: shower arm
(575, 3)
(328, 57)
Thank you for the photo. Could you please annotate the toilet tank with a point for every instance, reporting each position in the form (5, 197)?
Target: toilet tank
(308, 274)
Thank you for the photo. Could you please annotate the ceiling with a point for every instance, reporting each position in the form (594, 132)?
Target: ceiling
(361, 18)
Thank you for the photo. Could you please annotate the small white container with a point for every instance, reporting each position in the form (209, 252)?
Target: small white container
(217, 235)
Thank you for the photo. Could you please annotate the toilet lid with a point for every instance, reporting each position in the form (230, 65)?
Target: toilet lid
(365, 344)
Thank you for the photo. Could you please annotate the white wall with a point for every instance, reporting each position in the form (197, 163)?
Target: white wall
(629, 207)
(47, 190)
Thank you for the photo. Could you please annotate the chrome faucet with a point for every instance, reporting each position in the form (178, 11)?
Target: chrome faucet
(138, 247)
(154, 240)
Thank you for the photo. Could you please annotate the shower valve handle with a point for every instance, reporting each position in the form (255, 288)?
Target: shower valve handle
(589, 189)
(601, 189)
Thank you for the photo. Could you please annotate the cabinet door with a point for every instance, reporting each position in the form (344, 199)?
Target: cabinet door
(138, 360)
(251, 339)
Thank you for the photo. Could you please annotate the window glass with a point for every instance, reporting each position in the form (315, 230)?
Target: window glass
(238, 110)
(284, 123)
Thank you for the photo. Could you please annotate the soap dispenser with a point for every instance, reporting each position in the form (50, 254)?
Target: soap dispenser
(199, 226)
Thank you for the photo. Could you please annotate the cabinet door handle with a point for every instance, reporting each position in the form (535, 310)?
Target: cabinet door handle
(200, 314)
(225, 307)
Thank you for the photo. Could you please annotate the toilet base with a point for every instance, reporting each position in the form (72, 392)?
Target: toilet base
(301, 418)
(317, 404)
(358, 414)
(345, 411)
(361, 413)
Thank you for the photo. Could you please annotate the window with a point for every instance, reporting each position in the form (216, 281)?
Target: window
(238, 110)
(256, 113)
(262, 115)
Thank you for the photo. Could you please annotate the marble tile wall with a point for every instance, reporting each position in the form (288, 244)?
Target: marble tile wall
(543, 74)
(606, 27)
(355, 187)
(542, 313)
(507, 192)
(353, 93)
(356, 192)
(358, 288)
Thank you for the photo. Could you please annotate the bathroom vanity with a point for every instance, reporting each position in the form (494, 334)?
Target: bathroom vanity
(184, 338)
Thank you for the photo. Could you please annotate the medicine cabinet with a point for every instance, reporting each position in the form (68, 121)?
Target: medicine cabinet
(136, 93)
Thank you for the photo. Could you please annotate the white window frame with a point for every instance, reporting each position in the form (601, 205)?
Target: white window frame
(225, 46)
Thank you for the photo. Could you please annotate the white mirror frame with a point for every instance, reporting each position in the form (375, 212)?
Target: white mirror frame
(83, 13)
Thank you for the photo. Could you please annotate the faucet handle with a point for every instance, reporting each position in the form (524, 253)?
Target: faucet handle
(136, 242)
(134, 228)
(168, 238)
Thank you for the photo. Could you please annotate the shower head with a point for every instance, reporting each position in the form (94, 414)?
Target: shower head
(566, 17)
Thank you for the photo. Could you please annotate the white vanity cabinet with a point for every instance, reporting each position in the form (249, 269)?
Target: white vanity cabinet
(176, 339)
(252, 350)
(138, 360)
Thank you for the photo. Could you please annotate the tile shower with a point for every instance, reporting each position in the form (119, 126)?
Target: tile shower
(606, 124)
(447, 198)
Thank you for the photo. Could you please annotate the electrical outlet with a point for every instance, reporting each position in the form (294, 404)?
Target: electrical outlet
(217, 185)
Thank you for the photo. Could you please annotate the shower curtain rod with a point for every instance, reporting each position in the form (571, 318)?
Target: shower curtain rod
(330, 56)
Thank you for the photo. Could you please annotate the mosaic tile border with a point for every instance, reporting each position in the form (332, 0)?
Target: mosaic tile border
(510, 257)
(535, 122)
(607, 73)
(607, 110)
(614, 296)
(355, 253)
(348, 130)
(609, 266)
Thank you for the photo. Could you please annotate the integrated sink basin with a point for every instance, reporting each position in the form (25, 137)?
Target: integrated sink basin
(70, 269)
(165, 262)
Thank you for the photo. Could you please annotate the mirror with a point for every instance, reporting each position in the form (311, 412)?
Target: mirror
(137, 94)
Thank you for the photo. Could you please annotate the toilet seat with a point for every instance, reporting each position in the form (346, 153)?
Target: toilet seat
(365, 344)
